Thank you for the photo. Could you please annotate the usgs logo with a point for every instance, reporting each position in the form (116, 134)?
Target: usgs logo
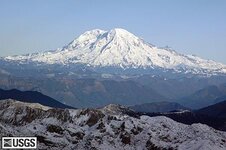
(19, 142)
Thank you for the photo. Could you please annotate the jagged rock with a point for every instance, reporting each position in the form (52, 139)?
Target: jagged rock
(102, 129)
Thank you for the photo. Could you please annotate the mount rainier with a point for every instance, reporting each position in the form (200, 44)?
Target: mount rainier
(120, 49)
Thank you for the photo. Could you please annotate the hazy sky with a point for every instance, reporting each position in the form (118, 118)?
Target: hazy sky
(188, 26)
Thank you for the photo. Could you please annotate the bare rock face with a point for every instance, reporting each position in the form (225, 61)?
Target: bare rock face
(19, 113)
(106, 128)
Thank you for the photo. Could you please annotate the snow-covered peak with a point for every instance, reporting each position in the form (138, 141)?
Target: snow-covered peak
(121, 33)
(121, 49)
(84, 39)
(100, 38)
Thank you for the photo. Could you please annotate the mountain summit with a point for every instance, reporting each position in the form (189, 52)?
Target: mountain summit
(119, 48)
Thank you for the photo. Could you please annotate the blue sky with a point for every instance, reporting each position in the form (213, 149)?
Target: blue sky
(190, 27)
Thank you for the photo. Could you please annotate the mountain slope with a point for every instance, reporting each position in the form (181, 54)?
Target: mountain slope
(31, 97)
(86, 92)
(158, 107)
(103, 129)
(205, 97)
(119, 48)
(217, 110)
(214, 116)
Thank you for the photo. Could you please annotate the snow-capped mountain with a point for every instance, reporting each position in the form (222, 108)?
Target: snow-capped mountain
(86, 129)
(121, 49)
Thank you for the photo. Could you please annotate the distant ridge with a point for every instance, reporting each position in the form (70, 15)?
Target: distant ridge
(31, 97)
(158, 107)
(217, 110)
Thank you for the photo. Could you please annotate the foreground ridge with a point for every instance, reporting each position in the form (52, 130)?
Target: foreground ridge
(103, 129)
